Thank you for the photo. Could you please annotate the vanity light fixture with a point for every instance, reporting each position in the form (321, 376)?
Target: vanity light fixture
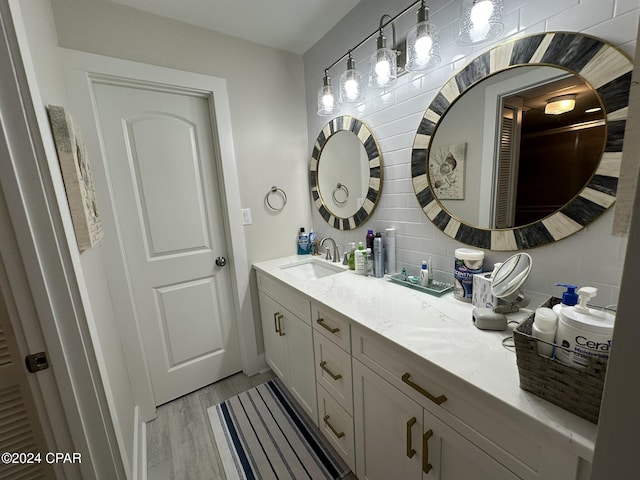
(383, 64)
(560, 105)
(423, 45)
(326, 96)
(480, 21)
(351, 83)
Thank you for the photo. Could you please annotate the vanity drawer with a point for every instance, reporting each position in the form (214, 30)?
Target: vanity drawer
(332, 325)
(287, 297)
(333, 370)
(461, 410)
(337, 426)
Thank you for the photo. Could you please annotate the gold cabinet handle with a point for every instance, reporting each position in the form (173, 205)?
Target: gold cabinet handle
(439, 400)
(279, 330)
(335, 376)
(332, 428)
(410, 451)
(320, 322)
(426, 466)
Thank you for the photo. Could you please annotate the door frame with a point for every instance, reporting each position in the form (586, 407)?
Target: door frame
(39, 282)
(82, 69)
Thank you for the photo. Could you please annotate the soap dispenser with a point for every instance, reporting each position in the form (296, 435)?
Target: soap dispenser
(569, 298)
(584, 332)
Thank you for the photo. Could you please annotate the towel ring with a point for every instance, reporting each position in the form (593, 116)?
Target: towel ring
(340, 186)
(275, 190)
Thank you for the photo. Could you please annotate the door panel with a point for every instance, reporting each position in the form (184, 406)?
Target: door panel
(161, 168)
(154, 143)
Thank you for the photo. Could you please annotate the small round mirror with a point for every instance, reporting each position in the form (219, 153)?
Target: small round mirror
(510, 276)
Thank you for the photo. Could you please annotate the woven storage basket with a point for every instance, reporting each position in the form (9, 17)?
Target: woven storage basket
(575, 390)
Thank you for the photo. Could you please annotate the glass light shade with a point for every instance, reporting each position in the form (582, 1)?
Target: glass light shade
(326, 98)
(383, 68)
(423, 47)
(560, 105)
(350, 84)
(480, 21)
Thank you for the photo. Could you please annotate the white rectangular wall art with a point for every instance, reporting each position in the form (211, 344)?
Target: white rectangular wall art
(76, 173)
(447, 169)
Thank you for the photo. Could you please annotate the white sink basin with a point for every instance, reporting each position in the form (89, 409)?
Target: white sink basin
(312, 269)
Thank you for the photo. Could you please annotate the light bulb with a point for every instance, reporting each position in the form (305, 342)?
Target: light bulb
(423, 49)
(327, 101)
(481, 13)
(383, 71)
(351, 89)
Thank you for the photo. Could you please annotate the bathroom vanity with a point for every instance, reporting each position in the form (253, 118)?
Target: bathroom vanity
(404, 386)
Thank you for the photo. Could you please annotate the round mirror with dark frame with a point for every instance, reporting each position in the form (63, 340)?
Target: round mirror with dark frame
(345, 173)
(500, 163)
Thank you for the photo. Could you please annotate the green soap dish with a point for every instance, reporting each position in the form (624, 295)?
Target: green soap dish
(436, 288)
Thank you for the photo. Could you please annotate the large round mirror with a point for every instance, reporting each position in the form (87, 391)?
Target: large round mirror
(345, 173)
(523, 146)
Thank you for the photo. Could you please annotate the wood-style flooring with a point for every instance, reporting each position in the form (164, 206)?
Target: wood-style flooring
(180, 443)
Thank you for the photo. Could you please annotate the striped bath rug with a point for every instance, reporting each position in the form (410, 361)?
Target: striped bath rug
(263, 434)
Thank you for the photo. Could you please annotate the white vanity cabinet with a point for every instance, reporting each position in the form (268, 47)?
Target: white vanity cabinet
(397, 438)
(465, 437)
(332, 349)
(288, 341)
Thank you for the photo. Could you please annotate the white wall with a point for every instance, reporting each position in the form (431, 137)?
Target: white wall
(591, 257)
(42, 43)
(266, 97)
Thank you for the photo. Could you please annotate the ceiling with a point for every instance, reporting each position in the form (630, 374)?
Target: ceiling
(291, 25)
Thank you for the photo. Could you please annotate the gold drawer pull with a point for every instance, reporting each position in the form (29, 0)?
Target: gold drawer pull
(332, 428)
(323, 365)
(410, 451)
(279, 318)
(437, 400)
(426, 466)
(320, 322)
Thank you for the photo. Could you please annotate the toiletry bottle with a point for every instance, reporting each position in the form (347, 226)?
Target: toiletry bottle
(352, 256)
(544, 328)
(369, 262)
(429, 271)
(378, 256)
(369, 240)
(312, 243)
(569, 298)
(359, 259)
(585, 333)
(303, 242)
(403, 274)
(424, 274)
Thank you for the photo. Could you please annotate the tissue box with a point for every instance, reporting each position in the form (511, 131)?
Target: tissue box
(481, 296)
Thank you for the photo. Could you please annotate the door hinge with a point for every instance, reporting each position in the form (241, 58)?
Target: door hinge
(37, 361)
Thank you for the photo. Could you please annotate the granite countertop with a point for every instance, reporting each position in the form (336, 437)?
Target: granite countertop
(439, 330)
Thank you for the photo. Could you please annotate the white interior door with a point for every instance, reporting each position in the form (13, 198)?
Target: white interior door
(161, 167)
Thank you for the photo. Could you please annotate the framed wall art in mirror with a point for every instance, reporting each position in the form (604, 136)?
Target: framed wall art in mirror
(535, 173)
(345, 173)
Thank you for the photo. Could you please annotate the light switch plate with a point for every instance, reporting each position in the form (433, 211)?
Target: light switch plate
(246, 216)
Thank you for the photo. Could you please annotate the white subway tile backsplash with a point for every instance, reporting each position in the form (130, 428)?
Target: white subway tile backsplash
(591, 257)
(583, 16)
(618, 30)
(537, 10)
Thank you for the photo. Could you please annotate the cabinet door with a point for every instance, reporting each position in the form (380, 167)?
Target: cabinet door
(274, 343)
(388, 427)
(447, 455)
(302, 378)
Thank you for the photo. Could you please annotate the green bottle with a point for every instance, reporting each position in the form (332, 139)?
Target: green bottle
(352, 256)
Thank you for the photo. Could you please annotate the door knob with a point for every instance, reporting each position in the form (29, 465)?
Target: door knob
(221, 261)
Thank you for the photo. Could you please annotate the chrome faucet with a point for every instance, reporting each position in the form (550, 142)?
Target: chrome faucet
(335, 257)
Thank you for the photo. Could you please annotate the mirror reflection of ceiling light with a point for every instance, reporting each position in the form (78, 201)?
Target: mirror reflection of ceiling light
(560, 105)
(593, 110)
